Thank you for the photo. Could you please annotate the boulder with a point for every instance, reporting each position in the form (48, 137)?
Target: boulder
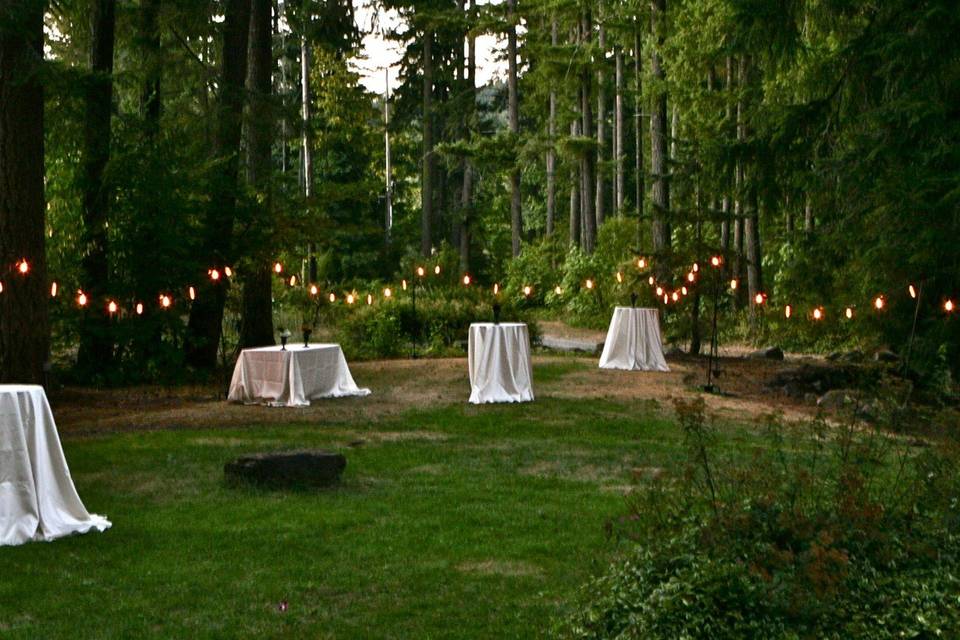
(770, 353)
(288, 469)
(838, 398)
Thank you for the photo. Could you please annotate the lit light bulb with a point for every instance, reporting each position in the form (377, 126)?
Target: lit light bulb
(691, 277)
(23, 267)
(651, 280)
(589, 283)
(81, 299)
(436, 270)
(228, 272)
(696, 267)
(387, 293)
(54, 289)
(818, 314)
(165, 302)
(949, 306)
(557, 290)
(641, 263)
(716, 261)
(733, 284)
(683, 290)
(674, 296)
(350, 298)
(420, 271)
(466, 279)
(193, 293)
(369, 299)
(878, 303)
(277, 268)
(527, 290)
(314, 290)
(139, 309)
(913, 292)
(758, 299)
(403, 283)
(619, 277)
(293, 281)
(788, 311)
(214, 275)
(111, 307)
(659, 291)
(496, 288)
(848, 313)
(1, 287)
(332, 297)
(666, 299)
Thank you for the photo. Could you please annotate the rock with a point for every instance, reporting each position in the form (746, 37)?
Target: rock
(770, 353)
(838, 398)
(288, 469)
(885, 355)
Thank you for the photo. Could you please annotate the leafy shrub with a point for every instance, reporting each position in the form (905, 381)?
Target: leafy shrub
(822, 533)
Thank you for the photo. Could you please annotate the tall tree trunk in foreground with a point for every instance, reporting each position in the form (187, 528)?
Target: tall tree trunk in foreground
(306, 129)
(588, 161)
(601, 119)
(426, 189)
(809, 222)
(551, 150)
(24, 320)
(466, 191)
(150, 104)
(96, 341)
(619, 183)
(640, 186)
(513, 107)
(575, 182)
(206, 314)
(256, 328)
(658, 137)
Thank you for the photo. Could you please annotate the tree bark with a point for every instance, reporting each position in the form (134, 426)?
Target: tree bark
(24, 319)
(426, 195)
(640, 186)
(551, 150)
(150, 103)
(204, 328)
(588, 160)
(256, 328)
(658, 137)
(619, 195)
(601, 119)
(513, 107)
(466, 191)
(809, 222)
(96, 341)
(575, 181)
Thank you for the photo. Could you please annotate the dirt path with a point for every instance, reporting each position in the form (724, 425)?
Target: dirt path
(400, 385)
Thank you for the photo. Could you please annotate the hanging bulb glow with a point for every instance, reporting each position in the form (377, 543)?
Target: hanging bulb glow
(666, 299)
(466, 279)
(293, 281)
(848, 313)
(759, 298)
(641, 263)
(420, 271)
(165, 301)
(403, 283)
(350, 298)
(589, 283)
(949, 306)
(675, 296)
(54, 289)
(314, 290)
(788, 311)
(214, 275)
(619, 277)
(683, 290)
(193, 293)
(716, 261)
(436, 269)
(81, 298)
(112, 307)
(277, 268)
(696, 267)
(227, 271)
(1, 287)
(557, 290)
(387, 293)
(818, 314)
(332, 297)
(691, 277)
(913, 292)
(23, 266)
(659, 291)
(139, 308)
(527, 290)
(651, 280)
(369, 299)
(496, 288)
(878, 303)
(733, 284)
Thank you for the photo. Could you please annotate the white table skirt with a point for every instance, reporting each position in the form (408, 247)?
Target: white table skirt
(292, 378)
(498, 357)
(633, 341)
(37, 498)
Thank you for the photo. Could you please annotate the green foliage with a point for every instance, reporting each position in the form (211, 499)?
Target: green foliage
(819, 533)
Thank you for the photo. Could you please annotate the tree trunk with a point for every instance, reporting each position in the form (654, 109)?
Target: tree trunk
(601, 119)
(619, 137)
(426, 196)
(575, 181)
(640, 186)
(206, 314)
(306, 131)
(551, 150)
(24, 319)
(466, 192)
(96, 341)
(516, 220)
(150, 104)
(809, 222)
(589, 158)
(256, 328)
(658, 138)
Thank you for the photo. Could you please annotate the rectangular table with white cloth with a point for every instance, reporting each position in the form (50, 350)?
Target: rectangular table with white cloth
(292, 377)
(633, 341)
(498, 357)
(37, 498)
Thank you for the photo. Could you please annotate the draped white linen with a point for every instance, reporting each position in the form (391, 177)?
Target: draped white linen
(37, 498)
(292, 377)
(633, 341)
(498, 357)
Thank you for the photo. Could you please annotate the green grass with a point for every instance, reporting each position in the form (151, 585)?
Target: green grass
(455, 522)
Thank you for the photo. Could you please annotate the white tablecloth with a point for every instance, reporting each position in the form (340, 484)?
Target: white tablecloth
(633, 341)
(37, 498)
(499, 361)
(294, 377)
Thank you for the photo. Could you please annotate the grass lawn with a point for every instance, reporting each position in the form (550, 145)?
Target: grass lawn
(451, 522)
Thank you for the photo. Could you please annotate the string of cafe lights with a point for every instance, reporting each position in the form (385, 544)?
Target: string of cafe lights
(665, 295)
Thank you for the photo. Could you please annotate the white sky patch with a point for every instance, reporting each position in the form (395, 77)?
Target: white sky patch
(380, 57)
